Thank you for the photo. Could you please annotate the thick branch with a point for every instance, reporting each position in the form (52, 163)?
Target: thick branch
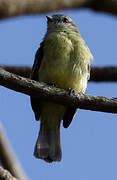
(98, 74)
(5, 175)
(44, 92)
(8, 160)
(9, 8)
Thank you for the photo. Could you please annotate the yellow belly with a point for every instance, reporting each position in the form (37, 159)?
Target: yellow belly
(62, 64)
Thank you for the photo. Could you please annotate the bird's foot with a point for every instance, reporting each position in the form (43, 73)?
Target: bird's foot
(71, 91)
(51, 84)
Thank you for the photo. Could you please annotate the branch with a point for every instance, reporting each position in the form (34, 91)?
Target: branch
(23, 71)
(10, 8)
(107, 73)
(8, 160)
(5, 175)
(98, 74)
(35, 89)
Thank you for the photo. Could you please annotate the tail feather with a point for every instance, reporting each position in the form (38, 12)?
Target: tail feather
(48, 144)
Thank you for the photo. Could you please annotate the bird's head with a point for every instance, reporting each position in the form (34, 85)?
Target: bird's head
(60, 22)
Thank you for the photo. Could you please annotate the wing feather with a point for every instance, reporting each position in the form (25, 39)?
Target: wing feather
(35, 102)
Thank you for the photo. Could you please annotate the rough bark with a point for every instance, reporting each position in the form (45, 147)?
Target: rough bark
(33, 88)
(5, 175)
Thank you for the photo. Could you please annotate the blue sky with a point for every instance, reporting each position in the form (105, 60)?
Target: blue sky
(89, 145)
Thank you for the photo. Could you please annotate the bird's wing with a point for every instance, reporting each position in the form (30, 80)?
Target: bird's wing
(68, 116)
(35, 103)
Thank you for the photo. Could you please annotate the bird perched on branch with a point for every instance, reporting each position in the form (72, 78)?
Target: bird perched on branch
(63, 59)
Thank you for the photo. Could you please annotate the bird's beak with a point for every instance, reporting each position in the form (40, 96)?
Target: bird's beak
(49, 18)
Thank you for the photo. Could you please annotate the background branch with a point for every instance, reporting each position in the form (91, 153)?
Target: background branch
(105, 73)
(98, 74)
(23, 71)
(8, 160)
(33, 88)
(5, 175)
(9, 8)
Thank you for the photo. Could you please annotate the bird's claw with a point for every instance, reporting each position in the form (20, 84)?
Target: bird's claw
(51, 84)
(71, 91)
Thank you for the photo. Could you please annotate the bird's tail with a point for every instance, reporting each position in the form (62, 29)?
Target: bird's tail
(48, 144)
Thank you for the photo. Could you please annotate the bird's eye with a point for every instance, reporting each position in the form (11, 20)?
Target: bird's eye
(65, 20)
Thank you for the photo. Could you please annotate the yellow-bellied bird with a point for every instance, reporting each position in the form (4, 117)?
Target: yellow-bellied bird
(63, 59)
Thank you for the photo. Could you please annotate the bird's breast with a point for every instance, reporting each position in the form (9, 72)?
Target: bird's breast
(60, 64)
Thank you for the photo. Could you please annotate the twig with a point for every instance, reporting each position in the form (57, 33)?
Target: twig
(33, 88)
(98, 74)
(5, 175)
(10, 8)
(8, 159)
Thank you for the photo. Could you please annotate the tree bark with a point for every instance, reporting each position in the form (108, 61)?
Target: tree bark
(8, 159)
(5, 175)
(10, 8)
(42, 91)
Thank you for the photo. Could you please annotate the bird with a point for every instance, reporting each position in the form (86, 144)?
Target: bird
(62, 60)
